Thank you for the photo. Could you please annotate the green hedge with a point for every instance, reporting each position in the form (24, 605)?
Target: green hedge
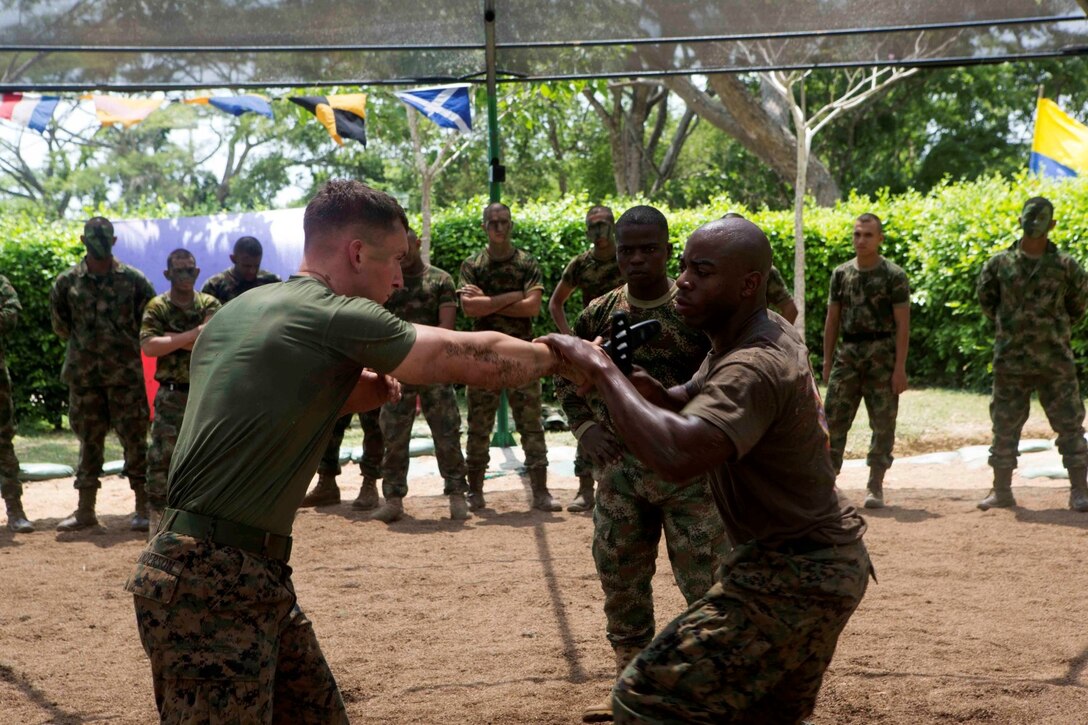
(941, 239)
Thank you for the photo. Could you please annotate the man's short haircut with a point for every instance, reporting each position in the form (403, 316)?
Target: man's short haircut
(248, 247)
(870, 217)
(494, 205)
(643, 216)
(344, 203)
(600, 207)
(178, 253)
(92, 225)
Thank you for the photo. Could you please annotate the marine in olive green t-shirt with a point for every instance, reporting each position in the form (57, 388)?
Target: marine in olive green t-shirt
(269, 375)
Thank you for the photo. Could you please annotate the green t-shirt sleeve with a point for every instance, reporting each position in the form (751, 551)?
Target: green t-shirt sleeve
(447, 294)
(900, 289)
(533, 278)
(835, 292)
(369, 334)
(572, 273)
(152, 324)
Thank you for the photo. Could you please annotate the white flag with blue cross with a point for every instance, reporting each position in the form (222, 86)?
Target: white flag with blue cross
(448, 106)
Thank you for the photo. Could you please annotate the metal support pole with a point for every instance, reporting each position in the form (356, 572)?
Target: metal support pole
(496, 174)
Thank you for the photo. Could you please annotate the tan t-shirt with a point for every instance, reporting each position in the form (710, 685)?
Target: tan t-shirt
(781, 486)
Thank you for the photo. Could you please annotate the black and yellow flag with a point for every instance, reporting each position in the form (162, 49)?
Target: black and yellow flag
(344, 115)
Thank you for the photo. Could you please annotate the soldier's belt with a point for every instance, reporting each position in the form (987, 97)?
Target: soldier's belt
(227, 533)
(865, 336)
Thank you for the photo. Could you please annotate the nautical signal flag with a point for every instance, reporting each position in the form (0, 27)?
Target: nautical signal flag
(125, 111)
(448, 106)
(32, 111)
(344, 116)
(236, 105)
(1060, 147)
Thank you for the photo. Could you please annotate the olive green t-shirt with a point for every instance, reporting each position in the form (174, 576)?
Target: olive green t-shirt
(781, 484)
(268, 377)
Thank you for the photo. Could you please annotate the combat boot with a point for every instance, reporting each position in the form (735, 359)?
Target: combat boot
(1078, 490)
(476, 491)
(390, 511)
(583, 501)
(602, 712)
(325, 493)
(1001, 494)
(139, 521)
(17, 520)
(83, 517)
(874, 497)
(367, 500)
(459, 507)
(538, 480)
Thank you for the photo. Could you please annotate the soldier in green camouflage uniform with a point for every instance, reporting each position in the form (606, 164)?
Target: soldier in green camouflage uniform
(171, 324)
(501, 288)
(870, 301)
(97, 307)
(1034, 293)
(327, 492)
(246, 274)
(594, 272)
(753, 649)
(634, 504)
(10, 487)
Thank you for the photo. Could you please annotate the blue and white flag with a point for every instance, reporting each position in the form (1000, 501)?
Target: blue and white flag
(448, 106)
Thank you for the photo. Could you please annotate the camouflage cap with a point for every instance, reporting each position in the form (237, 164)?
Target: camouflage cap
(98, 228)
(1036, 217)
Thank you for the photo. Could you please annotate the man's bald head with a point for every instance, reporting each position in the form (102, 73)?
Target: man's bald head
(741, 242)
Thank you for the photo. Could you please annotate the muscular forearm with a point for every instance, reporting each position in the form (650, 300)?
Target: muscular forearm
(168, 343)
(484, 305)
(481, 359)
(526, 307)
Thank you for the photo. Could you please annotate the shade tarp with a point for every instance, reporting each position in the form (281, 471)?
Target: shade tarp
(125, 44)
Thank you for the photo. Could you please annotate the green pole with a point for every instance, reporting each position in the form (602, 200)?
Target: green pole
(496, 174)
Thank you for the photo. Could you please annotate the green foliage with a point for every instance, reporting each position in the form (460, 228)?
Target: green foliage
(33, 252)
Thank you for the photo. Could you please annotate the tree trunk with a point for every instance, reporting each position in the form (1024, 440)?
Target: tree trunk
(426, 182)
(799, 227)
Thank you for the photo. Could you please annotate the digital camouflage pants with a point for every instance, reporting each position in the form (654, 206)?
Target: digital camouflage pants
(10, 487)
(226, 639)
(863, 371)
(525, 405)
(439, 406)
(92, 411)
(755, 648)
(169, 412)
(1009, 407)
(373, 446)
(633, 507)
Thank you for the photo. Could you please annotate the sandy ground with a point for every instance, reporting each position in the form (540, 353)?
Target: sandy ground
(978, 617)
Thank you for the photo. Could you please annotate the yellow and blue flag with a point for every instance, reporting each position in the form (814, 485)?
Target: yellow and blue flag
(343, 116)
(237, 105)
(1060, 147)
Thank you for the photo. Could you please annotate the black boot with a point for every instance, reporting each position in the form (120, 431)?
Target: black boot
(1001, 494)
(1078, 490)
(476, 491)
(874, 498)
(83, 517)
(583, 501)
(538, 480)
(140, 520)
(17, 520)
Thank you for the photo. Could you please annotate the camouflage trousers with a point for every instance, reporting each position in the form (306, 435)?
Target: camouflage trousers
(526, 407)
(226, 639)
(92, 412)
(633, 507)
(755, 648)
(439, 406)
(169, 411)
(863, 371)
(1064, 407)
(10, 487)
(582, 465)
(373, 446)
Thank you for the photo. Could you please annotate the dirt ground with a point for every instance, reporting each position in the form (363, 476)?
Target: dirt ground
(978, 617)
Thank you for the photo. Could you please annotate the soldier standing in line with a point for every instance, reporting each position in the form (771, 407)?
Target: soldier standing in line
(634, 504)
(171, 324)
(10, 487)
(1034, 293)
(246, 274)
(501, 288)
(778, 294)
(755, 647)
(870, 300)
(97, 307)
(594, 272)
(427, 297)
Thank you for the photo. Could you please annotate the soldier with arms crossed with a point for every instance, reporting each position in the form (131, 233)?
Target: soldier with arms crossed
(594, 272)
(754, 648)
(1034, 292)
(215, 604)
